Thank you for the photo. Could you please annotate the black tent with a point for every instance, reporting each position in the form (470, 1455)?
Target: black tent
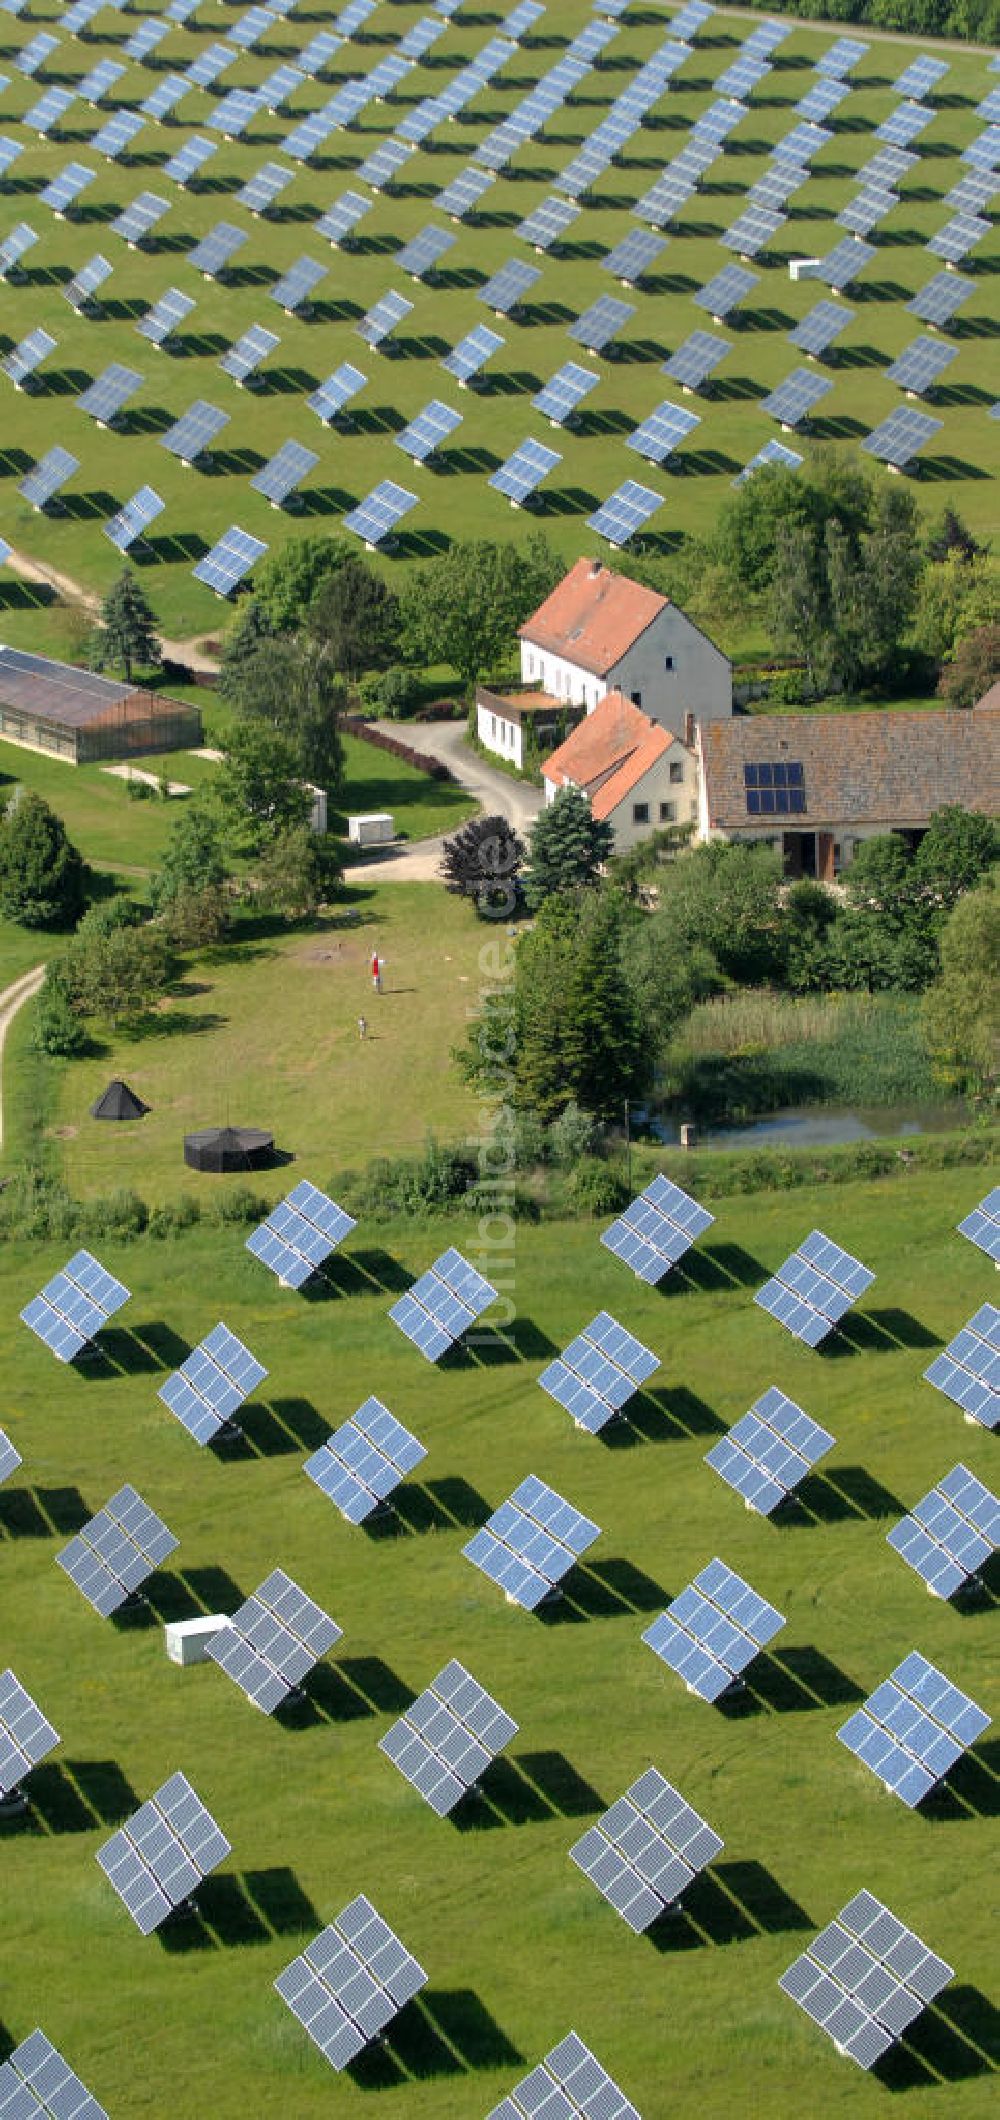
(222, 1148)
(118, 1101)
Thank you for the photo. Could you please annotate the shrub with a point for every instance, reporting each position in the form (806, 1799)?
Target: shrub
(572, 1137)
(597, 1188)
(393, 692)
(173, 1216)
(118, 1214)
(424, 763)
(240, 1204)
(57, 1030)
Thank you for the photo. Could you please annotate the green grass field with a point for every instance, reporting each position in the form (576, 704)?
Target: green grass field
(518, 1946)
(959, 464)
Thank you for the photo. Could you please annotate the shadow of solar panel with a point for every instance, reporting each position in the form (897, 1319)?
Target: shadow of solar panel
(913, 1728)
(364, 1461)
(213, 253)
(598, 1373)
(26, 1737)
(28, 355)
(570, 2084)
(230, 558)
(73, 1306)
(428, 430)
(161, 1854)
(524, 471)
(448, 1738)
(35, 2081)
(43, 483)
(624, 512)
(897, 439)
(208, 1387)
(645, 1851)
(950, 1533)
(814, 1288)
(273, 1640)
(865, 1978)
(531, 1542)
(662, 432)
(968, 1372)
(769, 1451)
(135, 518)
(348, 1984)
(116, 1550)
(713, 1631)
(982, 1225)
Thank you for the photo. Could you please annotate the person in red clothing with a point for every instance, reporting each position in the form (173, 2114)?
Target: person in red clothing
(376, 972)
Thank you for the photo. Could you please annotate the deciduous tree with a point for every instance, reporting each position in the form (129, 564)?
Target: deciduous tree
(356, 617)
(464, 609)
(482, 861)
(258, 788)
(287, 580)
(962, 1008)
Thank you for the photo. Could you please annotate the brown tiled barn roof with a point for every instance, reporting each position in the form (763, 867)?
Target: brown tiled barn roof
(864, 769)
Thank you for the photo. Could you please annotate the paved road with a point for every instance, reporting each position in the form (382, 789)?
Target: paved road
(497, 794)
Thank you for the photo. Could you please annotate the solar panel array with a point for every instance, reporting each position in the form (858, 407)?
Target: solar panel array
(131, 522)
(625, 512)
(212, 1384)
(10, 1458)
(116, 1551)
(162, 1853)
(41, 486)
(72, 1307)
(37, 2084)
(645, 1851)
(660, 433)
(814, 1288)
(531, 1542)
(713, 1631)
(28, 355)
(598, 1373)
(244, 357)
(423, 436)
(794, 399)
(949, 1535)
(769, 1451)
(864, 1979)
(448, 1738)
(913, 1728)
(364, 1461)
(375, 519)
(272, 1641)
(283, 472)
(350, 1983)
(518, 478)
(969, 1369)
(231, 557)
(26, 1736)
(299, 1234)
(442, 1304)
(657, 1229)
(982, 1225)
(897, 439)
(570, 2084)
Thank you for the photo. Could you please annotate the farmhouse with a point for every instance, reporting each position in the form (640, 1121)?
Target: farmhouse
(600, 632)
(637, 775)
(78, 716)
(815, 785)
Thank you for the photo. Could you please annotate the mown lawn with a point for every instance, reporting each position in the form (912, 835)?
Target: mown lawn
(517, 1944)
(454, 496)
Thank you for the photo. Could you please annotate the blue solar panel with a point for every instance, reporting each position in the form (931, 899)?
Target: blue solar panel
(982, 1225)
(518, 478)
(383, 317)
(299, 1234)
(73, 1306)
(472, 353)
(657, 1229)
(726, 289)
(230, 558)
(824, 323)
(601, 323)
(864, 1979)
(272, 1641)
(769, 1451)
(713, 1631)
(208, 1387)
(814, 1288)
(423, 436)
(448, 1737)
(773, 452)
(693, 362)
(43, 483)
(439, 1307)
(332, 396)
(134, 519)
(531, 1542)
(343, 216)
(969, 1369)
(913, 1728)
(597, 1374)
(662, 431)
(950, 1534)
(642, 1854)
(116, 1551)
(375, 518)
(360, 1465)
(624, 512)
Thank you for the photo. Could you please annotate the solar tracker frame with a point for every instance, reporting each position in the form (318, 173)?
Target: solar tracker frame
(116, 1551)
(896, 439)
(600, 1371)
(363, 1462)
(77, 1301)
(528, 1546)
(161, 1854)
(712, 1632)
(26, 1738)
(769, 1451)
(982, 1225)
(814, 1288)
(625, 511)
(273, 1640)
(350, 1982)
(442, 1303)
(209, 1386)
(36, 2083)
(133, 520)
(950, 1534)
(645, 1850)
(448, 1737)
(913, 1729)
(299, 1234)
(519, 477)
(376, 516)
(968, 1372)
(864, 1979)
(422, 436)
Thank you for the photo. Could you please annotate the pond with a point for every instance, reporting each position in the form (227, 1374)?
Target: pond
(817, 1126)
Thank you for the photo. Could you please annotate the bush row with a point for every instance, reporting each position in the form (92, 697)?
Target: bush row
(38, 1208)
(719, 1175)
(424, 763)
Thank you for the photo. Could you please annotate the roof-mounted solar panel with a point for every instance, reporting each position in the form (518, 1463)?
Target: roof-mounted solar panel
(193, 434)
(968, 1372)
(645, 1851)
(712, 1632)
(212, 1383)
(896, 440)
(448, 1738)
(530, 1543)
(422, 437)
(472, 353)
(363, 1463)
(157, 1859)
(865, 1979)
(951, 1534)
(329, 401)
(132, 521)
(814, 1288)
(350, 1983)
(769, 1452)
(273, 1640)
(116, 1551)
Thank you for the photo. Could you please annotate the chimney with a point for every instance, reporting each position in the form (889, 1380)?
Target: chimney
(595, 568)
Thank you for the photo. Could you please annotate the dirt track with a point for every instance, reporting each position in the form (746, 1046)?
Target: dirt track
(12, 998)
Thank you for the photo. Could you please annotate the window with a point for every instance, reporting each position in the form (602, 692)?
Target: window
(637, 699)
(668, 662)
(676, 771)
(493, 728)
(668, 812)
(640, 813)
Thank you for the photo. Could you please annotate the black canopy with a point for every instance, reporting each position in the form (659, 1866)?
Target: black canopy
(118, 1101)
(228, 1148)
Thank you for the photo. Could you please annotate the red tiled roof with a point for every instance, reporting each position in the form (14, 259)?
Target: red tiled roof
(593, 617)
(609, 753)
(883, 768)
